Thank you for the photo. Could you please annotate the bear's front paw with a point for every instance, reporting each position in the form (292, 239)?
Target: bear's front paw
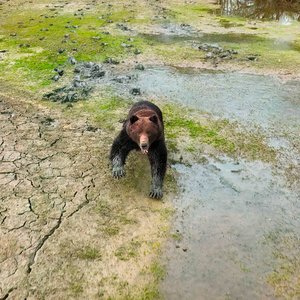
(118, 172)
(156, 193)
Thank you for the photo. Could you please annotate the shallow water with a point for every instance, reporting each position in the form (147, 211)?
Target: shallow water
(226, 211)
(252, 100)
(193, 38)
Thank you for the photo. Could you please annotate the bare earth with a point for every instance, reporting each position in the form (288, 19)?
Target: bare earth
(53, 188)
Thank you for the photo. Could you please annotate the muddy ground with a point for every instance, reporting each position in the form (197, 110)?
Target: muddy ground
(227, 227)
(66, 228)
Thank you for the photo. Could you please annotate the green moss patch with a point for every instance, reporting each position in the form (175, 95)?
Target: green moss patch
(186, 12)
(220, 134)
(36, 45)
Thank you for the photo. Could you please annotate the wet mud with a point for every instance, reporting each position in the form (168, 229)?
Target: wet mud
(226, 211)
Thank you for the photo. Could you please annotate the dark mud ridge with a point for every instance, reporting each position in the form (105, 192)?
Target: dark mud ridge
(86, 77)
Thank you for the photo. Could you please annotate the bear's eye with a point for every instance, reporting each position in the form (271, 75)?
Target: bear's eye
(133, 119)
(154, 119)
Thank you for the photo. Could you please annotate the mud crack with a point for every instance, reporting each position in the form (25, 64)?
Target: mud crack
(42, 242)
(7, 294)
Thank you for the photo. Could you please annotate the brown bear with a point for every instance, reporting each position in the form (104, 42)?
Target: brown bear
(142, 130)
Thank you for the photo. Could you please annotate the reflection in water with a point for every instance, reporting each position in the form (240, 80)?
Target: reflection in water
(273, 9)
(230, 7)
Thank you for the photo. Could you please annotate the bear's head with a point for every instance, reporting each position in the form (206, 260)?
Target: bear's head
(144, 127)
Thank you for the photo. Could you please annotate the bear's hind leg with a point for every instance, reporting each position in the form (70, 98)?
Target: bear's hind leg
(158, 162)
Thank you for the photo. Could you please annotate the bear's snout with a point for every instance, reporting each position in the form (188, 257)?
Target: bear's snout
(144, 144)
(144, 148)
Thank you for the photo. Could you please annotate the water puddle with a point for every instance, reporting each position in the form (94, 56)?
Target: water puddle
(163, 37)
(252, 100)
(192, 38)
(226, 211)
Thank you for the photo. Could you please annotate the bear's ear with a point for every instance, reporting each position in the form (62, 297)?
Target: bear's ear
(133, 119)
(154, 119)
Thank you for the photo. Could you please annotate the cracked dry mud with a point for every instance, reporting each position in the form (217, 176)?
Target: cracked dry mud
(64, 222)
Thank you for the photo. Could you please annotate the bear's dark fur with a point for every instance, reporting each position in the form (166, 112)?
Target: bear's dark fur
(142, 130)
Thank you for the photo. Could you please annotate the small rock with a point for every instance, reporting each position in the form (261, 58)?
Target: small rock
(24, 46)
(72, 60)
(55, 77)
(77, 83)
(122, 79)
(124, 45)
(97, 74)
(135, 91)
(88, 64)
(225, 55)
(139, 67)
(209, 55)
(137, 51)
(91, 128)
(122, 27)
(48, 121)
(60, 51)
(59, 71)
(96, 38)
(112, 61)
(252, 57)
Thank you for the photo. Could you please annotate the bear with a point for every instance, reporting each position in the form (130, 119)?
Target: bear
(143, 130)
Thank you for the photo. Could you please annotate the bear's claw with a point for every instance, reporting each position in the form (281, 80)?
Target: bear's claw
(156, 194)
(118, 172)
